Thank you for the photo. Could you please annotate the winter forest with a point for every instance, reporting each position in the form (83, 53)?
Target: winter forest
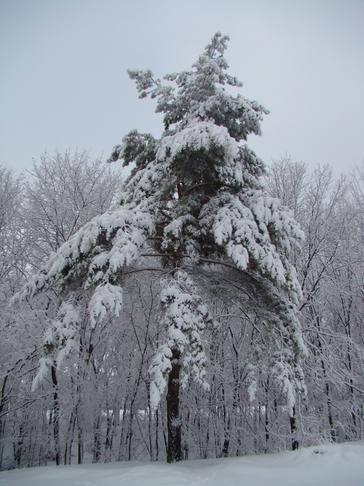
(185, 299)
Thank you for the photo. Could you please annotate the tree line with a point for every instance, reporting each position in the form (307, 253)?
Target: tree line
(104, 391)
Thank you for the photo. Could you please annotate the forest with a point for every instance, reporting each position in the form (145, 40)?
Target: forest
(182, 300)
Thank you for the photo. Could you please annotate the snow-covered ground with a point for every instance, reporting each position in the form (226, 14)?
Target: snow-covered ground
(327, 465)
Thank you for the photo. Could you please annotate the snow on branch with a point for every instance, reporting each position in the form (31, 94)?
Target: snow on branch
(91, 259)
(288, 376)
(107, 299)
(255, 232)
(58, 340)
(198, 135)
(97, 251)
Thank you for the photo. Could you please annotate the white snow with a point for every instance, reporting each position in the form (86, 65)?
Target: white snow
(198, 135)
(107, 299)
(58, 340)
(326, 465)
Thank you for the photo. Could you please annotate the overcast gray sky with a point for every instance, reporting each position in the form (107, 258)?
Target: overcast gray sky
(63, 80)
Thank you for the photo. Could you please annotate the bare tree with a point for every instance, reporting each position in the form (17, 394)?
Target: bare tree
(63, 193)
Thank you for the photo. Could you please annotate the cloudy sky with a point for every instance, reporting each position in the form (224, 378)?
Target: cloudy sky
(63, 81)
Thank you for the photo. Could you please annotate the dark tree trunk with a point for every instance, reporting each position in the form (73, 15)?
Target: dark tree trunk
(266, 424)
(18, 445)
(174, 447)
(79, 444)
(69, 439)
(156, 435)
(56, 415)
(327, 385)
(97, 440)
(3, 408)
(110, 425)
(293, 424)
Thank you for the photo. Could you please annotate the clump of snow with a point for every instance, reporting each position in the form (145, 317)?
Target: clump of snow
(252, 382)
(107, 299)
(44, 367)
(198, 135)
(288, 376)
(58, 340)
(160, 368)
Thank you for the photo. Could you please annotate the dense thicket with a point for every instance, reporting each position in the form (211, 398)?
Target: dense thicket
(173, 324)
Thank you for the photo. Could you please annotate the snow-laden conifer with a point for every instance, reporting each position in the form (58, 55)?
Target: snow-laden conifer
(194, 198)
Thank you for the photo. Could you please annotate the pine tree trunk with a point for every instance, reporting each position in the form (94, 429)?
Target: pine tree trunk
(174, 447)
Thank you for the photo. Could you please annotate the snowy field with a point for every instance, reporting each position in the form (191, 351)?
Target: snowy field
(328, 465)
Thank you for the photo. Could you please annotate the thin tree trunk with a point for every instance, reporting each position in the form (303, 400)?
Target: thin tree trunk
(156, 435)
(3, 406)
(79, 443)
(130, 431)
(174, 447)
(110, 423)
(327, 385)
(150, 422)
(18, 445)
(266, 423)
(97, 442)
(69, 439)
(122, 429)
(293, 425)
(56, 415)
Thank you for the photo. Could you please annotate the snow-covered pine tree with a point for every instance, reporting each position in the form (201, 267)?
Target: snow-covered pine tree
(194, 201)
